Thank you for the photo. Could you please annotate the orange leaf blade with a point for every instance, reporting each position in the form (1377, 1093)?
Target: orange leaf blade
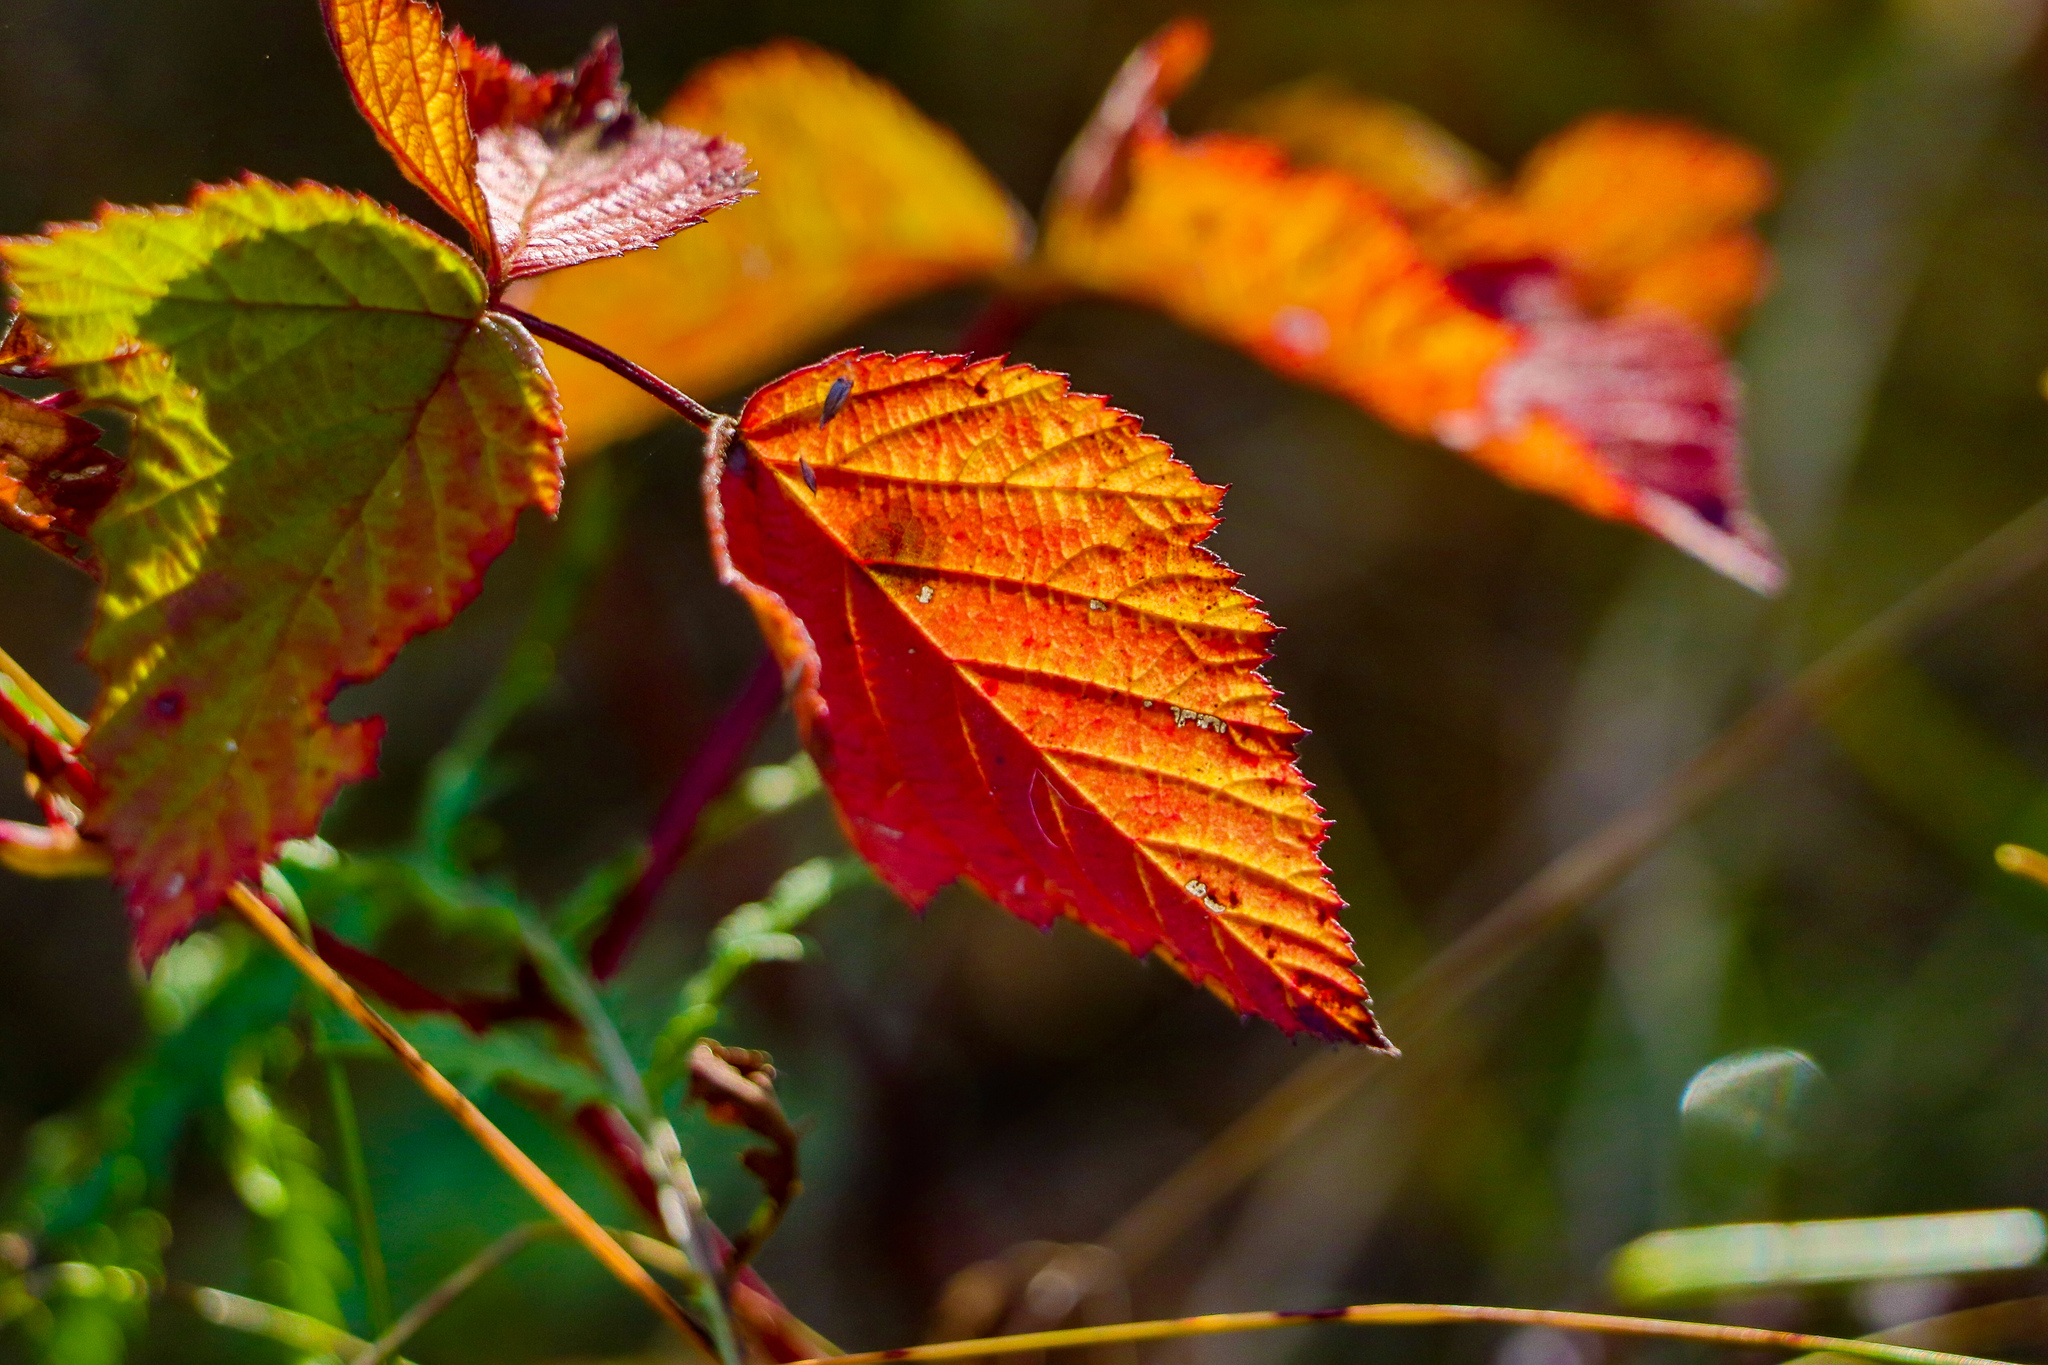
(1017, 667)
(407, 81)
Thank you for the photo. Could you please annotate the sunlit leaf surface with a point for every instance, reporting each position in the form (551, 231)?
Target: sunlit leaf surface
(407, 82)
(331, 439)
(1642, 214)
(1028, 674)
(572, 172)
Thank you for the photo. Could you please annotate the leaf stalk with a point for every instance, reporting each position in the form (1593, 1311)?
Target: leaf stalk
(711, 771)
(684, 406)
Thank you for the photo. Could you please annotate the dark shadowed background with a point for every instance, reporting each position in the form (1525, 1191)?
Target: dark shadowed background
(1487, 676)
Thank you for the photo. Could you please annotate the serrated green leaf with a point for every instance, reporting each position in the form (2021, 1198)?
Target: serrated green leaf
(332, 438)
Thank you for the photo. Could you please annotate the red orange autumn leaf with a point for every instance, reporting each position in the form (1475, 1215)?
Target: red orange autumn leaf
(1556, 366)
(866, 202)
(543, 172)
(54, 478)
(1017, 667)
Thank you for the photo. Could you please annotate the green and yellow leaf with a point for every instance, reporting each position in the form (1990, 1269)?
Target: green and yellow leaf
(331, 439)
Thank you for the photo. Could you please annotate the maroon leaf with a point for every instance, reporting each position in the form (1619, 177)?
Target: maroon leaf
(54, 478)
(570, 170)
(1650, 391)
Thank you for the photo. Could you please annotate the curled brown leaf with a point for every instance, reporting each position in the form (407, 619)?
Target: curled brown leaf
(737, 1088)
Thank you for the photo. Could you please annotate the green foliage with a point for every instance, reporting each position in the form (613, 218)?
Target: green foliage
(87, 1168)
(757, 932)
(517, 1054)
(275, 1168)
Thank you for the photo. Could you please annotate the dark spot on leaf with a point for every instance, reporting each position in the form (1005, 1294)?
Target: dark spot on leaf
(168, 705)
(803, 467)
(1489, 286)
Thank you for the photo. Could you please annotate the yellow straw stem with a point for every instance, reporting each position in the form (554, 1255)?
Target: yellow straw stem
(70, 727)
(517, 1163)
(1403, 1315)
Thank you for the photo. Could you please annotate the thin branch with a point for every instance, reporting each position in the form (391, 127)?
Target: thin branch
(1549, 900)
(688, 1225)
(515, 1162)
(682, 1212)
(386, 982)
(48, 758)
(450, 1289)
(710, 773)
(684, 406)
(1406, 1315)
(298, 1331)
(362, 1207)
(2022, 861)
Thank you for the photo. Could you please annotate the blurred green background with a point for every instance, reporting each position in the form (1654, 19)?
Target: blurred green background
(1487, 676)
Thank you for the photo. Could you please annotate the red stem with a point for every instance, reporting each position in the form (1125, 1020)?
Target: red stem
(396, 989)
(709, 774)
(47, 756)
(1003, 319)
(686, 407)
(613, 1139)
(760, 1311)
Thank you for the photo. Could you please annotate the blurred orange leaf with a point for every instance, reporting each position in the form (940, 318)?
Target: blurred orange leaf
(1640, 213)
(1016, 666)
(868, 202)
(1514, 349)
(1417, 166)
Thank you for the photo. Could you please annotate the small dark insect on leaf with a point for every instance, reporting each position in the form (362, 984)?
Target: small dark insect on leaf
(835, 398)
(810, 474)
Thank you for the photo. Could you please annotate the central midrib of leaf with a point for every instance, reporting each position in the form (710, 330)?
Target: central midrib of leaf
(268, 493)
